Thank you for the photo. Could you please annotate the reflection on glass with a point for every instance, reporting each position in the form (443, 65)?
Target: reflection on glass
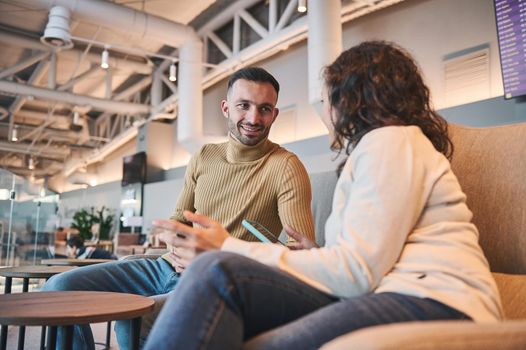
(28, 220)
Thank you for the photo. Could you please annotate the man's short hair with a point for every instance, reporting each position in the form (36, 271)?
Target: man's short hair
(75, 241)
(256, 74)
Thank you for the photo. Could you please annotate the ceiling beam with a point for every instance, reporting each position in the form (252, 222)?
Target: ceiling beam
(23, 64)
(73, 99)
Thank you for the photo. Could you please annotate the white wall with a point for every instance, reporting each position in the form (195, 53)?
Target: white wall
(159, 201)
(430, 30)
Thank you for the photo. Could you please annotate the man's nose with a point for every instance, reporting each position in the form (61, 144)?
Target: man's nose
(253, 115)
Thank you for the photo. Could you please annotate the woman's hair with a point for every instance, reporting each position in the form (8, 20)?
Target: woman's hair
(377, 84)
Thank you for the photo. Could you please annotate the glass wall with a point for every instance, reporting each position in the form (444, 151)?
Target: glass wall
(28, 220)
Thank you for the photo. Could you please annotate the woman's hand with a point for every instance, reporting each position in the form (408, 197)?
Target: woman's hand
(188, 241)
(302, 242)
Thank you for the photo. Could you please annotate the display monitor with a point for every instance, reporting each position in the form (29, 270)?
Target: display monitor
(511, 33)
(134, 168)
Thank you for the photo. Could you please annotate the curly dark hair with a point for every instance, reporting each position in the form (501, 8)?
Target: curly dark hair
(376, 84)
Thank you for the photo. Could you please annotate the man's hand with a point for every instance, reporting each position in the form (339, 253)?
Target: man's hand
(302, 242)
(187, 241)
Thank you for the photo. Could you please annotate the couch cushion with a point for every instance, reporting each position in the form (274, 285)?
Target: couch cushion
(512, 290)
(490, 164)
(322, 192)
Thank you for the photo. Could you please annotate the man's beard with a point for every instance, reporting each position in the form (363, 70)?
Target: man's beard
(248, 141)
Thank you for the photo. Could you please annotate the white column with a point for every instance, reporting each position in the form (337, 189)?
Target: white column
(324, 41)
(190, 116)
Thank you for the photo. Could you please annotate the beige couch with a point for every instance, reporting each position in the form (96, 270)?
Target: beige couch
(490, 164)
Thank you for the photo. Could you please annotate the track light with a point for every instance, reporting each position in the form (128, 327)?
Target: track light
(104, 59)
(30, 163)
(76, 118)
(173, 72)
(302, 6)
(14, 134)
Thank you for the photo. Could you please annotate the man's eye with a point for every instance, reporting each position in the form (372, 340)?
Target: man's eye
(243, 106)
(266, 109)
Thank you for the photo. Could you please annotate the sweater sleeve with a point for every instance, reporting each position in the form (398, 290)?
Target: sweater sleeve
(383, 191)
(294, 198)
(186, 198)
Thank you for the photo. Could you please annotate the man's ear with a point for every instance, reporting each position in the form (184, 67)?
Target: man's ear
(224, 108)
(276, 112)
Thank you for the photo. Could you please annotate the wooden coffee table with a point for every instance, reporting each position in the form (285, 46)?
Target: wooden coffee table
(68, 308)
(26, 273)
(73, 262)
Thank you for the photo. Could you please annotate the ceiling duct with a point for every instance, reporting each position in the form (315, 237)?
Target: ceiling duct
(56, 34)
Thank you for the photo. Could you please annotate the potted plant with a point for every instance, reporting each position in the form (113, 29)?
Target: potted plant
(82, 221)
(105, 222)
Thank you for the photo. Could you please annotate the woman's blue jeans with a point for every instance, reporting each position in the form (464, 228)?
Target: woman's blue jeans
(227, 301)
(146, 277)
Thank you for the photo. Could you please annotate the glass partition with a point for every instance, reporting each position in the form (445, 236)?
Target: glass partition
(28, 220)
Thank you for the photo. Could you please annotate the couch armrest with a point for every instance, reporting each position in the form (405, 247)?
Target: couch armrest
(435, 335)
(140, 256)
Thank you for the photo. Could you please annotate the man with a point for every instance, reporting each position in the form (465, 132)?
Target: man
(76, 249)
(247, 177)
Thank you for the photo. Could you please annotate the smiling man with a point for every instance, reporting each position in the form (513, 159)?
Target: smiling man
(247, 177)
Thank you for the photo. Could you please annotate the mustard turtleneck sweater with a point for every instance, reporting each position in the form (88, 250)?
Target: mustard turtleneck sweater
(230, 182)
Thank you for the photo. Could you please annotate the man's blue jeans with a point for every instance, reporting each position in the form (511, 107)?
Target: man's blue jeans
(146, 277)
(227, 301)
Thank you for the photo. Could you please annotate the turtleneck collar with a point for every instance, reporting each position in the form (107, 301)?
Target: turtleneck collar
(236, 152)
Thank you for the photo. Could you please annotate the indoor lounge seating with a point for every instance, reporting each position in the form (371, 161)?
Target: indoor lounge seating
(490, 164)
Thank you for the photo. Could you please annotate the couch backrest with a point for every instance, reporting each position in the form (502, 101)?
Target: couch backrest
(490, 164)
(322, 192)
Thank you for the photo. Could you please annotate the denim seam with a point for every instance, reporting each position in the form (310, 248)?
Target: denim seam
(214, 322)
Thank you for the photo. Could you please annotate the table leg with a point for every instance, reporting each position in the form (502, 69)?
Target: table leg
(22, 329)
(3, 332)
(8, 283)
(43, 338)
(108, 335)
(52, 338)
(135, 333)
(43, 334)
(67, 338)
(3, 338)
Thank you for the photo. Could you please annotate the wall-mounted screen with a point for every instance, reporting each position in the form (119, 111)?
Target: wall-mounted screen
(134, 168)
(511, 33)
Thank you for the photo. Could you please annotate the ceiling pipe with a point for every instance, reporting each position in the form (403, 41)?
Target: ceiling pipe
(184, 37)
(73, 99)
(47, 152)
(40, 117)
(73, 164)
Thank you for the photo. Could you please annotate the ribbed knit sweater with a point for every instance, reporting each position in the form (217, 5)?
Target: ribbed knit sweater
(230, 182)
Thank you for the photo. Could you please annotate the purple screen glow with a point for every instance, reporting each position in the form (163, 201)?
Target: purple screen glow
(511, 32)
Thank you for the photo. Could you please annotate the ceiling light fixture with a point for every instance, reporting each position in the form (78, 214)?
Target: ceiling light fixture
(14, 134)
(56, 34)
(302, 6)
(173, 72)
(76, 118)
(104, 61)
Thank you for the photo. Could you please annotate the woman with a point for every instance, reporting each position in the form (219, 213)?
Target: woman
(400, 245)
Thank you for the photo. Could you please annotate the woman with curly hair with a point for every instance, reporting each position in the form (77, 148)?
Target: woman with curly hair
(400, 245)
